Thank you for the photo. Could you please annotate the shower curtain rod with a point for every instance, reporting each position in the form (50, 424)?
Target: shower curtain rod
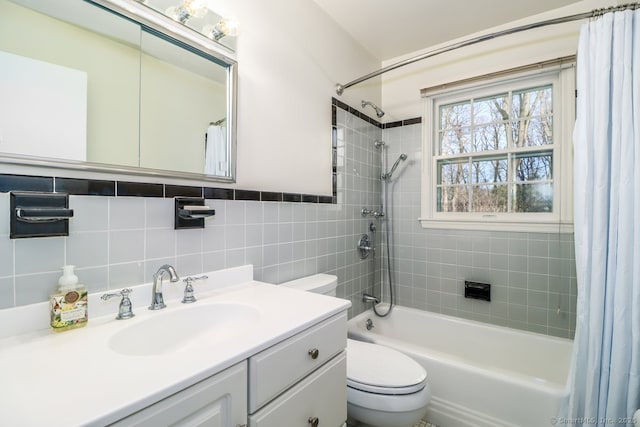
(596, 13)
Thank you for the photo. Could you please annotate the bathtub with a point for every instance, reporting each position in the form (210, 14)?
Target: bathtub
(479, 374)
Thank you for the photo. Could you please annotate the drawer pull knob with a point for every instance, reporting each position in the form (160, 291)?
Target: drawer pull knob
(314, 353)
(314, 421)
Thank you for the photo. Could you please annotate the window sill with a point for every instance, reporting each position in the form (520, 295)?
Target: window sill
(498, 225)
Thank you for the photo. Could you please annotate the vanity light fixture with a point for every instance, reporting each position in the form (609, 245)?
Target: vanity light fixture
(187, 10)
(224, 28)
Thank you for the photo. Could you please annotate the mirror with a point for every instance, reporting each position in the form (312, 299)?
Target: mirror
(122, 89)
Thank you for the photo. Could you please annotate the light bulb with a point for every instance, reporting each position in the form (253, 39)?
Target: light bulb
(224, 28)
(232, 27)
(196, 8)
(188, 9)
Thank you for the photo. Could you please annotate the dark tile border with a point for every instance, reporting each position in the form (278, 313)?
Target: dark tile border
(271, 197)
(85, 187)
(391, 125)
(10, 182)
(337, 103)
(182, 191)
(247, 195)
(414, 121)
(407, 122)
(309, 198)
(74, 186)
(289, 197)
(218, 193)
(139, 189)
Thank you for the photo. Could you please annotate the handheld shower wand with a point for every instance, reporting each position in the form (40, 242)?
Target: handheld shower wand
(387, 176)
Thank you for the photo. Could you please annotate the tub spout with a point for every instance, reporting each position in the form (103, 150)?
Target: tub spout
(370, 298)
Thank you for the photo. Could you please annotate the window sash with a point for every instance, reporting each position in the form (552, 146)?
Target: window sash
(563, 86)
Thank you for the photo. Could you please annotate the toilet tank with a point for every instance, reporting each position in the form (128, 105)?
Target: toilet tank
(325, 284)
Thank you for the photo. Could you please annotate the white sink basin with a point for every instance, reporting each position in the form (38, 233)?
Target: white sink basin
(166, 332)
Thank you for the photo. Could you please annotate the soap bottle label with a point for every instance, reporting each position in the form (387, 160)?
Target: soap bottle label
(69, 310)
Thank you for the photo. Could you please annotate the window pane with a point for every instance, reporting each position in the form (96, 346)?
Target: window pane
(532, 102)
(490, 137)
(455, 115)
(451, 172)
(534, 167)
(455, 141)
(507, 143)
(533, 198)
(453, 199)
(533, 132)
(490, 198)
(489, 170)
(490, 110)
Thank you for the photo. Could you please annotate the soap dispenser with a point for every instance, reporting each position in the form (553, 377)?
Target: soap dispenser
(69, 306)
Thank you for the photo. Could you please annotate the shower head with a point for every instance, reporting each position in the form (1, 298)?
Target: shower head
(379, 111)
(387, 176)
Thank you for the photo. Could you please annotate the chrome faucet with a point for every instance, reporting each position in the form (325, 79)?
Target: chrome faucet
(157, 301)
(370, 298)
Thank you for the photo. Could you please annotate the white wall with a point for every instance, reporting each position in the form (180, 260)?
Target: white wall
(401, 88)
(291, 55)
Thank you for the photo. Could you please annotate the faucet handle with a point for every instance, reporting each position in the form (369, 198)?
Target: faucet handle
(188, 289)
(125, 309)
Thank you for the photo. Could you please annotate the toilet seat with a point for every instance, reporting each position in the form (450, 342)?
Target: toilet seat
(374, 368)
(385, 390)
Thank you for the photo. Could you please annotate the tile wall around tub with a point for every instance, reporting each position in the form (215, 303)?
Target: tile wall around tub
(532, 275)
(117, 241)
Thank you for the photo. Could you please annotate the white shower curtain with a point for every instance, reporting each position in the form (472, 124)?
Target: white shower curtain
(605, 383)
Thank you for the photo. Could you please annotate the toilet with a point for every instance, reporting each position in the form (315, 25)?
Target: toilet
(385, 388)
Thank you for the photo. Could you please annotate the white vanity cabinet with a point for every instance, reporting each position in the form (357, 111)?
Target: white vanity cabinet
(284, 365)
(301, 381)
(218, 401)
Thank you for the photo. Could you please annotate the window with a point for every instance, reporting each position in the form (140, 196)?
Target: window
(498, 156)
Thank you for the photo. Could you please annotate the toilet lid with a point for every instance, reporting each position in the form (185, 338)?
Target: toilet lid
(383, 370)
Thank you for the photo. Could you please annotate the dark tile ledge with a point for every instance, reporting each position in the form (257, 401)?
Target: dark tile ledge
(92, 187)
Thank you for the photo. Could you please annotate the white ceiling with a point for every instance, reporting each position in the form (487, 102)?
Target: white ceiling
(391, 28)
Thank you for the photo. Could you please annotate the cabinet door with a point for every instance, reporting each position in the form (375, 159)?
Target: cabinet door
(219, 401)
(321, 395)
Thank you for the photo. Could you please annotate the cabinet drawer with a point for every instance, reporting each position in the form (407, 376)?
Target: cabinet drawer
(322, 395)
(274, 370)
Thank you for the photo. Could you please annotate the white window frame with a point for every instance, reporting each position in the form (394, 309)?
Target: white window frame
(562, 78)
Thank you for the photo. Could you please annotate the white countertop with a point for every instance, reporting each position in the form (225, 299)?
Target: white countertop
(74, 378)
